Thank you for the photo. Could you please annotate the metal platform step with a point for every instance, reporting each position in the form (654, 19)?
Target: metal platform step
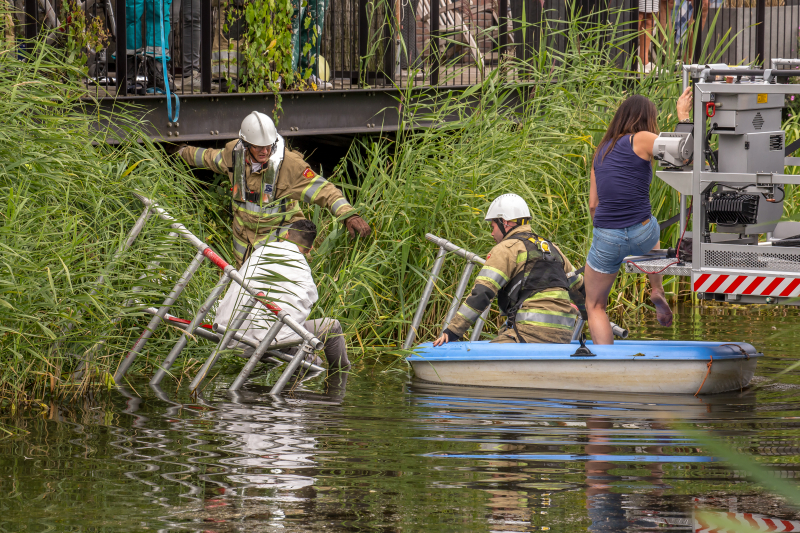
(667, 267)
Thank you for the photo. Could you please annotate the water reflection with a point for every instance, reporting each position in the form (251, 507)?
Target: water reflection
(377, 452)
(534, 442)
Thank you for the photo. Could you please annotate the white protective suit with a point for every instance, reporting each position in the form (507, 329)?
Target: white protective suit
(281, 271)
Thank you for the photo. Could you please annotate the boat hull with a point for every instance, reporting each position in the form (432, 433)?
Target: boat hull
(633, 366)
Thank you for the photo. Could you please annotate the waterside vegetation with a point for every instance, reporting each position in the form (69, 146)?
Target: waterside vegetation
(66, 205)
(67, 202)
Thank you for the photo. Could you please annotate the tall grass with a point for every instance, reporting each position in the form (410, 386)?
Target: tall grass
(66, 204)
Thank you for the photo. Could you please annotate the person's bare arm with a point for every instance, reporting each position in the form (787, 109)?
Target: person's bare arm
(594, 201)
(684, 105)
(643, 144)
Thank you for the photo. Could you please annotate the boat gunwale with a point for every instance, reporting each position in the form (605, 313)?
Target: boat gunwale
(692, 351)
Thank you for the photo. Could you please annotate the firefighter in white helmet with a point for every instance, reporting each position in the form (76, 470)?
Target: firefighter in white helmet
(268, 180)
(528, 275)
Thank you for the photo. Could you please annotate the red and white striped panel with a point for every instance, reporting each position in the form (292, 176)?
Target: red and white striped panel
(755, 521)
(750, 285)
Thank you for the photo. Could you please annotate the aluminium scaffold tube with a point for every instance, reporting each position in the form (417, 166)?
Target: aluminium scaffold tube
(235, 324)
(466, 274)
(450, 247)
(478, 327)
(298, 358)
(125, 364)
(196, 321)
(209, 335)
(426, 295)
(576, 332)
(272, 332)
(274, 350)
(205, 331)
(234, 274)
(253, 343)
(473, 259)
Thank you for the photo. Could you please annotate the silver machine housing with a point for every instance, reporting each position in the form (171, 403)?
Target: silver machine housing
(674, 149)
(738, 189)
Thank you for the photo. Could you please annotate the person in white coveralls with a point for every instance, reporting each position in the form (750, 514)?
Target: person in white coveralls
(281, 270)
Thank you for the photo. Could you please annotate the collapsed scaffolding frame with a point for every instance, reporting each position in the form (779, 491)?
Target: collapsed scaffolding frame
(308, 344)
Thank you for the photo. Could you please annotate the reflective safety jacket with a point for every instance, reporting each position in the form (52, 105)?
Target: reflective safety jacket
(548, 303)
(271, 191)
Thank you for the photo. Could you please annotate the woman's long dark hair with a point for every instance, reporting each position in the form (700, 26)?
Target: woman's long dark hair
(636, 114)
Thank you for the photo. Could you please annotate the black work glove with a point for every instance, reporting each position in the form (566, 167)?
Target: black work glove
(451, 337)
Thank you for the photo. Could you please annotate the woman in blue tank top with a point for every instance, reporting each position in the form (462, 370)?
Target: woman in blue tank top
(619, 202)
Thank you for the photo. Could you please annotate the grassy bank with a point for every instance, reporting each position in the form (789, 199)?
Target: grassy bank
(66, 204)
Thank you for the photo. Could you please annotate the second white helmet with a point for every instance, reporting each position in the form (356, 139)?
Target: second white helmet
(508, 207)
(258, 129)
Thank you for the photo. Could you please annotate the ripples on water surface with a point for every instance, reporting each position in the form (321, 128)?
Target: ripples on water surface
(378, 452)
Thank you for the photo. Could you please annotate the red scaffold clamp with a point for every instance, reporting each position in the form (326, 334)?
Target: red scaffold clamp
(711, 109)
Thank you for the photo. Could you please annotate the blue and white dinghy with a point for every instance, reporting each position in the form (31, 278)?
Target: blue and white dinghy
(678, 367)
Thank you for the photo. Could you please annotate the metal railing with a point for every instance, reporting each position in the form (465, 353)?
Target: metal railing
(373, 43)
(229, 333)
(472, 260)
(463, 282)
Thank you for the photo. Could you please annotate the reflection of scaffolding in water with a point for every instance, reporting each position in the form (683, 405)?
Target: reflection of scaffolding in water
(195, 326)
(210, 460)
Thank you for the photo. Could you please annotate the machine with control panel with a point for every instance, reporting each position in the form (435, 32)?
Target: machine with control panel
(741, 251)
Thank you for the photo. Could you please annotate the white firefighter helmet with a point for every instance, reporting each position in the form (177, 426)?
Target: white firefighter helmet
(508, 207)
(258, 129)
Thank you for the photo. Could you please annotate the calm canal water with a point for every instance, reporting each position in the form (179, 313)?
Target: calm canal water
(378, 452)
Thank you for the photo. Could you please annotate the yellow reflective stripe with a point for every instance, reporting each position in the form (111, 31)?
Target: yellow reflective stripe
(522, 257)
(560, 295)
(468, 313)
(254, 209)
(313, 189)
(494, 276)
(547, 318)
(575, 279)
(338, 204)
(261, 226)
(272, 236)
(570, 327)
(217, 160)
(239, 246)
(198, 157)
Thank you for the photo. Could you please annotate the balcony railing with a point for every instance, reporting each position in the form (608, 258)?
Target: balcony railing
(203, 45)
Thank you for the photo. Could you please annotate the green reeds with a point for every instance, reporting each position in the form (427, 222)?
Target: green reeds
(66, 205)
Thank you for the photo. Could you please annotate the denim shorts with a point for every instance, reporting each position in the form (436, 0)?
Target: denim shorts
(611, 246)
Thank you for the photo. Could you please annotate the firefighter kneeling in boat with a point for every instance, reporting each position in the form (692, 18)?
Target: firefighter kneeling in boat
(528, 275)
(267, 180)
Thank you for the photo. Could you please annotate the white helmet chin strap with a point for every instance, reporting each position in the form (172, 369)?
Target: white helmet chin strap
(502, 227)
